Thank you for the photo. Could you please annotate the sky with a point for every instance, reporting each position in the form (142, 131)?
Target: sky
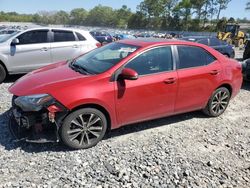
(236, 8)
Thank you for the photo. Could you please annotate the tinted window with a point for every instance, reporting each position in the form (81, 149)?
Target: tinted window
(193, 57)
(80, 37)
(203, 41)
(63, 36)
(33, 37)
(214, 42)
(152, 61)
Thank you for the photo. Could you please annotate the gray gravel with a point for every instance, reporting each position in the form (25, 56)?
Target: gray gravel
(188, 150)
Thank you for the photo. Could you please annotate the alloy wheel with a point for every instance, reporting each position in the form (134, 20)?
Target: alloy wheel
(220, 102)
(85, 129)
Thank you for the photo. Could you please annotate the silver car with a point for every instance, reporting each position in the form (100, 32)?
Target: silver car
(24, 51)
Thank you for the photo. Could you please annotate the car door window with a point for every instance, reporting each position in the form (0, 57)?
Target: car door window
(152, 61)
(63, 36)
(190, 56)
(33, 37)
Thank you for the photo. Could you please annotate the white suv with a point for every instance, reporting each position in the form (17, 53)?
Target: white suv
(22, 52)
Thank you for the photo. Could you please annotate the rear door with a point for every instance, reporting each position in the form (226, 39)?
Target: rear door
(199, 74)
(64, 45)
(32, 52)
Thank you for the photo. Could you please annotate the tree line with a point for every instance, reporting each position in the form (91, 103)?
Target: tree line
(187, 15)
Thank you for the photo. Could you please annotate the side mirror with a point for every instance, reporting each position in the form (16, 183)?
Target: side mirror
(129, 74)
(14, 42)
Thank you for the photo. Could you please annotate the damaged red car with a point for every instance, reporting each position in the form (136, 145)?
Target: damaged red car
(78, 101)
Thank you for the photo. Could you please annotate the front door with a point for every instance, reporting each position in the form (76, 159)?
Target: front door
(153, 94)
(32, 52)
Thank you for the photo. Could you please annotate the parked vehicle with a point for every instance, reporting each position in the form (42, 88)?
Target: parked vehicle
(246, 69)
(219, 45)
(102, 36)
(246, 54)
(8, 31)
(123, 36)
(121, 83)
(21, 52)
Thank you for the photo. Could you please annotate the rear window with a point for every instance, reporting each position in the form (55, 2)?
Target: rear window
(63, 36)
(80, 37)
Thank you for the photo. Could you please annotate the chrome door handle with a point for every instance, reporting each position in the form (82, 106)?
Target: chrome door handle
(44, 49)
(75, 46)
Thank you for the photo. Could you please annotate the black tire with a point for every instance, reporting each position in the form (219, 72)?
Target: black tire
(83, 128)
(3, 73)
(218, 102)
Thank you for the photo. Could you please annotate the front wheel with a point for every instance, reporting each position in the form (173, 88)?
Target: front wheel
(218, 102)
(83, 128)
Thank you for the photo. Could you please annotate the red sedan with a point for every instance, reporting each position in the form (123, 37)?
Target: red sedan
(129, 81)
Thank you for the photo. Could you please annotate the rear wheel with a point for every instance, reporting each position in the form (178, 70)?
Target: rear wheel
(218, 102)
(83, 128)
(2, 73)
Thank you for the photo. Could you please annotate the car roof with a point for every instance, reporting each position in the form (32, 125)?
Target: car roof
(198, 37)
(144, 42)
(57, 28)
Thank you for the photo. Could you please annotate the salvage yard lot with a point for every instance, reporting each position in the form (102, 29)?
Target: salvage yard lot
(184, 150)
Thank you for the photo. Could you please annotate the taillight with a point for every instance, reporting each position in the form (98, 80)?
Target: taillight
(98, 45)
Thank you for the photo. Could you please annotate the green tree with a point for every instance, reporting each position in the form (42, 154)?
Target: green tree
(60, 17)
(101, 16)
(78, 16)
(248, 5)
(137, 21)
(222, 5)
(185, 9)
(122, 17)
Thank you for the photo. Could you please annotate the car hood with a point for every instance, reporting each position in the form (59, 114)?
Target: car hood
(46, 80)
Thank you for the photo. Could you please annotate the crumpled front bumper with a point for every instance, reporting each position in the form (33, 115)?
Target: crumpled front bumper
(35, 127)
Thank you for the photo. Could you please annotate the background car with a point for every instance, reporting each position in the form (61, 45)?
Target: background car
(246, 54)
(219, 45)
(246, 69)
(121, 83)
(102, 36)
(124, 36)
(8, 31)
(22, 52)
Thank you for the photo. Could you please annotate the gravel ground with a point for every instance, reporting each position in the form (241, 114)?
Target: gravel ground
(188, 150)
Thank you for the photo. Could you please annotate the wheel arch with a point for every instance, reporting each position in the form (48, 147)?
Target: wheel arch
(98, 107)
(228, 86)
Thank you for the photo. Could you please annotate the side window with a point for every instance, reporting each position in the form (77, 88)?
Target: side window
(63, 36)
(33, 37)
(152, 61)
(80, 37)
(190, 56)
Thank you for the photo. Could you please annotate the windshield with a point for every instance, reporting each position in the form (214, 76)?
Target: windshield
(230, 28)
(5, 37)
(102, 59)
